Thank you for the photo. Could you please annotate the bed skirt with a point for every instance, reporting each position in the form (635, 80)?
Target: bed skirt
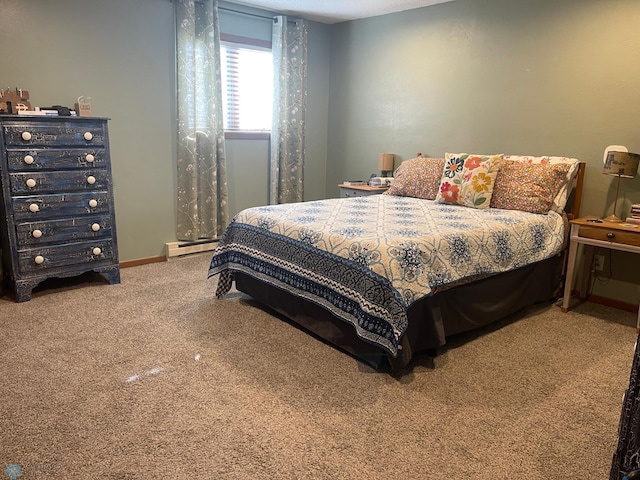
(431, 320)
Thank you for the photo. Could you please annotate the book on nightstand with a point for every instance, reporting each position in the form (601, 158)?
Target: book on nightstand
(634, 214)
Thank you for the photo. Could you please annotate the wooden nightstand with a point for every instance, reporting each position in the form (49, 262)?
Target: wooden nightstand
(587, 231)
(359, 190)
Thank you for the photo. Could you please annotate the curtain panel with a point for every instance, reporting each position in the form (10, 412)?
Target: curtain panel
(289, 48)
(202, 173)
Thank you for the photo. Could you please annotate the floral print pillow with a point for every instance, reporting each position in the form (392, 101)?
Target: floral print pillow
(560, 201)
(468, 179)
(530, 187)
(418, 177)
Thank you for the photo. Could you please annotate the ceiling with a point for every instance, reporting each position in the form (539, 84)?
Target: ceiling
(334, 11)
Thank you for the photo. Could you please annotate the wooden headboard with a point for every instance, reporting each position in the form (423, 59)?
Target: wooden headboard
(576, 195)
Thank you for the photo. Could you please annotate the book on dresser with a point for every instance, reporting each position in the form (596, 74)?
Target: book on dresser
(57, 208)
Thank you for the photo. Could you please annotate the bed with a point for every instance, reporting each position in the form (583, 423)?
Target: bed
(455, 244)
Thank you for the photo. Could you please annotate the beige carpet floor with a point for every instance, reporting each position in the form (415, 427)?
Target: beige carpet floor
(155, 378)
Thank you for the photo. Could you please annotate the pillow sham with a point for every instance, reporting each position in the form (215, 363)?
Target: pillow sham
(530, 187)
(560, 200)
(417, 177)
(468, 179)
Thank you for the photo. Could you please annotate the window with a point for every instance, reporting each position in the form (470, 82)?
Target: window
(247, 86)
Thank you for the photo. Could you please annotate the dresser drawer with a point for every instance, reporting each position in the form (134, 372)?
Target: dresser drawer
(608, 235)
(58, 181)
(346, 192)
(39, 207)
(55, 159)
(39, 259)
(61, 231)
(53, 135)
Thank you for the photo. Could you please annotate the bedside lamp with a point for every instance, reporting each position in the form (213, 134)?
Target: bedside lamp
(619, 163)
(385, 163)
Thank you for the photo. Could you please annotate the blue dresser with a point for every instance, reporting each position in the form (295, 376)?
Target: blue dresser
(57, 215)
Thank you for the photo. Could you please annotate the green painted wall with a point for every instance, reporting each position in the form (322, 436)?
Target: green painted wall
(248, 160)
(122, 55)
(557, 77)
(544, 77)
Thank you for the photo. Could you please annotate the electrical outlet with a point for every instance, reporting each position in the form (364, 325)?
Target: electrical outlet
(598, 262)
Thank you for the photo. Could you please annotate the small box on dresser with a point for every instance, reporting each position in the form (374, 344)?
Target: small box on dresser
(57, 211)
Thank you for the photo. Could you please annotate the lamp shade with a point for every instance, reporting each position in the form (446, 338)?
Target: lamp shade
(623, 164)
(385, 162)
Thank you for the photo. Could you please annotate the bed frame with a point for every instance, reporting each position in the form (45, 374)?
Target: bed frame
(434, 318)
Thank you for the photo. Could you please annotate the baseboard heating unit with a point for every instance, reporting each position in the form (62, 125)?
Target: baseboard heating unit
(177, 249)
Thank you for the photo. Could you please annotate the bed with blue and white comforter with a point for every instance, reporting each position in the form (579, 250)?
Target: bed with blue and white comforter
(368, 259)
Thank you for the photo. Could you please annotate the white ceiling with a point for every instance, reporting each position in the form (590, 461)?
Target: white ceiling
(334, 11)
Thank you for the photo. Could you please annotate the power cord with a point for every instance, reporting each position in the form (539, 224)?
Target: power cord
(598, 275)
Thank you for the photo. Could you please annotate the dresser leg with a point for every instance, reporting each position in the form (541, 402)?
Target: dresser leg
(587, 263)
(568, 281)
(23, 290)
(112, 275)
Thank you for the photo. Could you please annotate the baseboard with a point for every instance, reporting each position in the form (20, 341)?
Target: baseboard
(610, 302)
(143, 261)
(176, 249)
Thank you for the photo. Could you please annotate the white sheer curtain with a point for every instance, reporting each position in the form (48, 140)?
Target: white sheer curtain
(289, 47)
(202, 177)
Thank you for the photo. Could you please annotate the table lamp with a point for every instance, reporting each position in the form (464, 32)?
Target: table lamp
(385, 163)
(619, 163)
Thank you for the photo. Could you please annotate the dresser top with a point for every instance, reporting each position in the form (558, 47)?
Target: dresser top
(48, 118)
(596, 222)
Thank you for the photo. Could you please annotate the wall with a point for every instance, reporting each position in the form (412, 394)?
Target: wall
(248, 160)
(546, 77)
(122, 54)
(123, 57)
(550, 77)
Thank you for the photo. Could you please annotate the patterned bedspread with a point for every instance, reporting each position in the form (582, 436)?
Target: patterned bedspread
(367, 259)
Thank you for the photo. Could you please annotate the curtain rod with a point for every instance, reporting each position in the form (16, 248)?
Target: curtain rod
(238, 12)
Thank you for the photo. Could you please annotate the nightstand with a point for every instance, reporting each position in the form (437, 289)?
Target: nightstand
(347, 191)
(614, 236)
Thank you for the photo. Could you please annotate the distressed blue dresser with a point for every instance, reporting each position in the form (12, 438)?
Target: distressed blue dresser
(57, 217)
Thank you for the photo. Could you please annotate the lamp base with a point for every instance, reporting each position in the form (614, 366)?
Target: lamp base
(613, 219)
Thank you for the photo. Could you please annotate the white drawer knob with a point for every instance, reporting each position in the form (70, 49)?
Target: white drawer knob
(26, 136)
(91, 180)
(93, 203)
(34, 207)
(88, 136)
(95, 227)
(39, 259)
(31, 183)
(89, 158)
(97, 251)
(36, 233)
(28, 159)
